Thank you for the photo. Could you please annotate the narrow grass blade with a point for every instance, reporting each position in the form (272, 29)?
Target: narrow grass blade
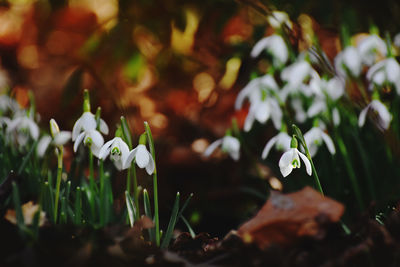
(78, 206)
(190, 229)
(17, 206)
(184, 206)
(172, 223)
(126, 133)
(27, 157)
(130, 206)
(147, 212)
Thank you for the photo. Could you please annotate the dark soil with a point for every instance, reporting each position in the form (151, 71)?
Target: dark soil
(370, 244)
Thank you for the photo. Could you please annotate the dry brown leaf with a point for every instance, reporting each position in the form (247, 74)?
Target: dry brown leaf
(285, 218)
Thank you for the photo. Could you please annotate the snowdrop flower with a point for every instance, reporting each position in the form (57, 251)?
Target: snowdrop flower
(7, 103)
(274, 45)
(87, 122)
(384, 115)
(58, 138)
(143, 159)
(118, 151)
(300, 115)
(278, 18)
(228, 144)
(291, 159)
(348, 62)
(385, 70)
(23, 126)
(91, 138)
(261, 111)
(370, 47)
(253, 90)
(296, 73)
(281, 142)
(314, 138)
(396, 40)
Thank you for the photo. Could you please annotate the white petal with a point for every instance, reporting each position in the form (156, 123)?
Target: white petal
(142, 156)
(62, 138)
(245, 92)
(316, 107)
(248, 122)
(14, 124)
(336, 117)
(33, 129)
(287, 158)
(129, 158)
(352, 60)
(210, 149)
(268, 146)
(151, 166)
(306, 162)
(43, 145)
(103, 127)
(362, 116)
(260, 46)
(392, 70)
(384, 114)
(88, 121)
(374, 69)
(78, 140)
(96, 137)
(329, 143)
(76, 129)
(267, 81)
(105, 149)
(262, 112)
(335, 88)
(118, 164)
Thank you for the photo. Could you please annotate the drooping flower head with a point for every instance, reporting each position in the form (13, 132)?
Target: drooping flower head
(142, 156)
(315, 137)
(291, 160)
(118, 151)
(229, 144)
(58, 139)
(85, 128)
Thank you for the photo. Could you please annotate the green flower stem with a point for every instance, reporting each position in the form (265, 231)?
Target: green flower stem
(58, 183)
(300, 136)
(135, 190)
(91, 184)
(102, 194)
(155, 187)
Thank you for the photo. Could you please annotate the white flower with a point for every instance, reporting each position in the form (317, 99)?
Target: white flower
(228, 144)
(7, 103)
(281, 142)
(85, 129)
(300, 115)
(349, 60)
(118, 151)
(370, 47)
(91, 138)
(23, 127)
(385, 70)
(384, 115)
(296, 73)
(277, 18)
(59, 138)
(290, 159)
(314, 138)
(261, 111)
(87, 122)
(253, 90)
(274, 45)
(143, 159)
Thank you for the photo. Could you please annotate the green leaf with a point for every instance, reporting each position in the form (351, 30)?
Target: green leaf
(131, 208)
(172, 223)
(126, 133)
(17, 206)
(147, 212)
(78, 206)
(190, 229)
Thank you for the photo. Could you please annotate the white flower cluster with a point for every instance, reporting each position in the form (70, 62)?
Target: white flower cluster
(296, 87)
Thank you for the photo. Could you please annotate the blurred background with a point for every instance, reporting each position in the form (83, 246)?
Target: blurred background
(176, 64)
